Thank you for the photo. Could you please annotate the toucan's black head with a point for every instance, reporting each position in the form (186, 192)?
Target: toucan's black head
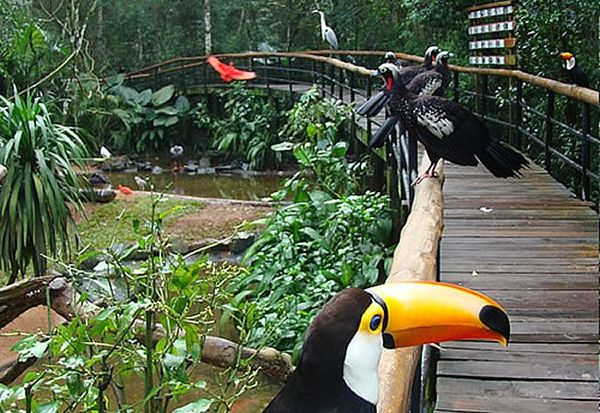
(338, 365)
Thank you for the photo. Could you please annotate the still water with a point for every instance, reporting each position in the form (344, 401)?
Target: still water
(246, 187)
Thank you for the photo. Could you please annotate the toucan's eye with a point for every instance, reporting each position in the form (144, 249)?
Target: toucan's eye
(375, 322)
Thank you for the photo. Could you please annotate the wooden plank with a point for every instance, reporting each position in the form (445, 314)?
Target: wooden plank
(523, 282)
(517, 370)
(582, 361)
(454, 402)
(554, 348)
(511, 389)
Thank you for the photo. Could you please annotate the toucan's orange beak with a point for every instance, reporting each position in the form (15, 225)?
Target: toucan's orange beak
(566, 55)
(431, 312)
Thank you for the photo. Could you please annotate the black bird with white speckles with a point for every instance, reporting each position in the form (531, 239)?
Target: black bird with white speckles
(446, 129)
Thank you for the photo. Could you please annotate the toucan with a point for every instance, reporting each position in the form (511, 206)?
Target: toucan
(446, 130)
(375, 103)
(576, 74)
(338, 366)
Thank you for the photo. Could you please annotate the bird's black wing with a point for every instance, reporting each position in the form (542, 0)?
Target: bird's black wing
(579, 77)
(448, 130)
(427, 83)
(408, 73)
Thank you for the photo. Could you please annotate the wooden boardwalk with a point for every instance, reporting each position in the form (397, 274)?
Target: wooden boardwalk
(534, 248)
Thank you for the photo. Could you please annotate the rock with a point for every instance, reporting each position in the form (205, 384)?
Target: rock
(204, 162)
(241, 242)
(157, 170)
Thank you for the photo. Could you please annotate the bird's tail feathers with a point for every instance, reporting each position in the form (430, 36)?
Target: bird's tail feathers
(502, 160)
(378, 138)
(374, 104)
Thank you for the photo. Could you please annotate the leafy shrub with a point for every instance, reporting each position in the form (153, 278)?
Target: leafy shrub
(247, 131)
(147, 116)
(313, 119)
(104, 352)
(35, 220)
(328, 239)
(308, 252)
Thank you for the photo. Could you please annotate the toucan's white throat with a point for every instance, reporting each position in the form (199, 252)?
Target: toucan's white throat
(361, 365)
(571, 63)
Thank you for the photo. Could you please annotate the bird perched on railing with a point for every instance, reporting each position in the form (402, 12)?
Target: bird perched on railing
(576, 74)
(432, 82)
(445, 129)
(377, 102)
(338, 366)
(327, 33)
(229, 73)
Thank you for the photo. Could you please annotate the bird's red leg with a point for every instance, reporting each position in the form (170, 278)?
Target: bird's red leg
(429, 173)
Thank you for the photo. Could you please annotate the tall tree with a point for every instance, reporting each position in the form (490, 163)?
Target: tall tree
(207, 28)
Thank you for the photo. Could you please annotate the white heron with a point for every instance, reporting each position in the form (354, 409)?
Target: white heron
(327, 33)
(105, 153)
(140, 182)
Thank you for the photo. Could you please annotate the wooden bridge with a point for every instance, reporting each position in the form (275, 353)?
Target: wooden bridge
(530, 243)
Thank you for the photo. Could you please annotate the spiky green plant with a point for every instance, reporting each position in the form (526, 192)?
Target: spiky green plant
(39, 187)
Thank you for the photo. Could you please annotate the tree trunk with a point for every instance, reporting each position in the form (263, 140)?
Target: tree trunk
(207, 28)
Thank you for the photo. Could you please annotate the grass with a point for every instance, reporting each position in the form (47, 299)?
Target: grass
(114, 220)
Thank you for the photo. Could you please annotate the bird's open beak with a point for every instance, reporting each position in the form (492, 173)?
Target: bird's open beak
(566, 55)
(432, 312)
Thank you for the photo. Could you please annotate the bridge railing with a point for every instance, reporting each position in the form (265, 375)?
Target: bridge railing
(508, 101)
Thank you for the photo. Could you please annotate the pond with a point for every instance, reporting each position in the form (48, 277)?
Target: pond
(230, 186)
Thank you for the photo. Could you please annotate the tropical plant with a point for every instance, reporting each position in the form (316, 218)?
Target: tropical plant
(146, 116)
(327, 239)
(150, 329)
(309, 251)
(248, 129)
(39, 188)
(314, 119)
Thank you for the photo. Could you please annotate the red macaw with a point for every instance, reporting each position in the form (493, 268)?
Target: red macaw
(230, 72)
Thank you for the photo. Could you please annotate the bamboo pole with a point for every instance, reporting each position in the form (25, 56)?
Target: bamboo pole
(415, 258)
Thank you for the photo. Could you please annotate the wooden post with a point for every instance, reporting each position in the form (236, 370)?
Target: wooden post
(549, 128)
(518, 114)
(415, 258)
(585, 153)
(456, 86)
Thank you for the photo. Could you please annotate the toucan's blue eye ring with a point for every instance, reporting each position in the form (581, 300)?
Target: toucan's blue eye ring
(375, 322)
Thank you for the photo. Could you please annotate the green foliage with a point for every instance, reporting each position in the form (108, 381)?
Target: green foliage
(328, 239)
(99, 227)
(247, 131)
(314, 119)
(106, 351)
(35, 220)
(546, 28)
(308, 252)
(146, 116)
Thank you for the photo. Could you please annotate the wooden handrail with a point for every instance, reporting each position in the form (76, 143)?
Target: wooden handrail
(575, 92)
(415, 258)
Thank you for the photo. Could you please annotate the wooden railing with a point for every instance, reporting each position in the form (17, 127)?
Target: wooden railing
(524, 108)
(416, 254)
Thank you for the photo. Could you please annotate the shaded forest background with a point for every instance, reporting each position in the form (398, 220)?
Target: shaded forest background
(109, 36)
